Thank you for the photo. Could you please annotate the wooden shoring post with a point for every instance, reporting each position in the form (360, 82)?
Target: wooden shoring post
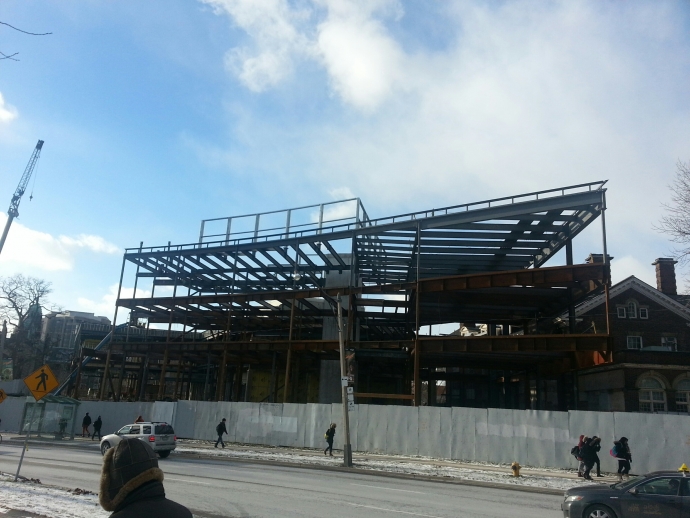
(220, 389)
(274, 382)
(120, 380)
(237, 381)
(286, 385)
(161, 382)
(143, 376)
(207, 381)
(189, 381)
(176, 390)
(106, 370)
(75, 394)
(417, 353)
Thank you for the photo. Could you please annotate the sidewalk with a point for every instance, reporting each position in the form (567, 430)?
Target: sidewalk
(550, 479)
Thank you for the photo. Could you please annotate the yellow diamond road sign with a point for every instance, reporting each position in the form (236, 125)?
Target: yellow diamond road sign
(3, 396)
(41, 382)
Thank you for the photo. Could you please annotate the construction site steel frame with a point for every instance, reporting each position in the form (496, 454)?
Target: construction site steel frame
(254, 299)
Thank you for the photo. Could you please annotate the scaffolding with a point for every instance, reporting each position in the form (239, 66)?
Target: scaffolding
(250, 304)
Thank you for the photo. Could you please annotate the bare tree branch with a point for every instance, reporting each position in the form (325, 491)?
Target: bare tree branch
(677, 221)
(11, 56)
(26, 32)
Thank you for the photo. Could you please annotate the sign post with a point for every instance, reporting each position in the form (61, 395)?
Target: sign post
(40, 383)
(347, 395)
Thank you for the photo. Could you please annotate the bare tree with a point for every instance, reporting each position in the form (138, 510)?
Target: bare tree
(676, 223)
(12, 56)
(21, 301)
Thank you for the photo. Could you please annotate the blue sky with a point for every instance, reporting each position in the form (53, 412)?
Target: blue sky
(158, 114)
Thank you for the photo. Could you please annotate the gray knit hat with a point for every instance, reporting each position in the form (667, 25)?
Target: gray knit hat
(129, 465)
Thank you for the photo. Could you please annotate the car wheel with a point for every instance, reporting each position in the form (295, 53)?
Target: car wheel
(599, 511)
(105, 447)
(163, 454)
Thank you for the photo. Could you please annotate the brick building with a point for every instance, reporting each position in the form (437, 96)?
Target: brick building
(649, 367)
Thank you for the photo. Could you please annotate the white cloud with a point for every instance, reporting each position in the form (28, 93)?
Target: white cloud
(276, 40)
(7, 112)
(362, 61)
(30, 248)
(94, 243)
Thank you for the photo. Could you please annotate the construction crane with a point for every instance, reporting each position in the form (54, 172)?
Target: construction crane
(13, 212)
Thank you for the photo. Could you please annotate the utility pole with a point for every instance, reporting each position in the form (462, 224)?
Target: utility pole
(2, 346)
(347, 447)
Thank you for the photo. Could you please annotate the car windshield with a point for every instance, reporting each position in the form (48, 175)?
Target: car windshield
(627, 483)
(124, 430)
(164, 429)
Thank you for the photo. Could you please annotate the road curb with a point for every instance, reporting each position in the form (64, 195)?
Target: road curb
(361, 471)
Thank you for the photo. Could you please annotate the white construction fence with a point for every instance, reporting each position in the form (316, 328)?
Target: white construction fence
(531, 437)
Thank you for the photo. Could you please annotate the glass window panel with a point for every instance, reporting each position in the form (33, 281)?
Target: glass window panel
(632, 310)
(683, 385)
(644, 313)
(657, 396)
(634, 342)
(660, 486)
(645, 407)
(621, 312)
(651, 383)
(659, 407)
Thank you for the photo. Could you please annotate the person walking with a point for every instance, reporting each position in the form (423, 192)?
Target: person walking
(132, 484)
(621, 450)
(597, 448)
(581, 462)
(220, 430)
(589, 455)
(85, 423)
(330, 433)
(97, 428)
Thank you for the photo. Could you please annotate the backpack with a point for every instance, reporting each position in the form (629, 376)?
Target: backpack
(575, 451)
(218, 429)
(614, 451)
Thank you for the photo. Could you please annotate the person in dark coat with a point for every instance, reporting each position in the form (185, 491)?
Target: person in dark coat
(220, 430)
(581, 462)
(330, 433)
(621, 451)
(132, 484)
(85, 423)
(589, 455)
(597, 449)
(97, 428)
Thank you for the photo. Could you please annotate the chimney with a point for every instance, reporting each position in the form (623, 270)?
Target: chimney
(666, 275)
(597, 258)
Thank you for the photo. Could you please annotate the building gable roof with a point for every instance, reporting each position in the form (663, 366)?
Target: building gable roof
(642, 288)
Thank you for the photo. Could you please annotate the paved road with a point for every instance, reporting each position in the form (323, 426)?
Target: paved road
(215, 488)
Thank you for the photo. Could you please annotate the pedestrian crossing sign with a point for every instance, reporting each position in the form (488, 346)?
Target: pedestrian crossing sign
(41, 382)
(3, 396)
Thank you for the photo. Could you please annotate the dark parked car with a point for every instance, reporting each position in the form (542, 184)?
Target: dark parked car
(662, 494)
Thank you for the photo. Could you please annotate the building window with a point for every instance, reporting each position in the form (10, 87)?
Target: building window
(632, 309)
(634, 342)
(621, 311)
(669, 342)
(683, 396)
(644, 313)
(652, 396)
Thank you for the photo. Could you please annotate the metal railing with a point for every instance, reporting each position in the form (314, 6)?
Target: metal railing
(318, 228)
(359, 217)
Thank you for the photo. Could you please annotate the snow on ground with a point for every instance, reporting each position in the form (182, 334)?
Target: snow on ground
(410, 467)
(47, 501)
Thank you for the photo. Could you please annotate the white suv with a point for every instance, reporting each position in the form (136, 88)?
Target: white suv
(160, 436)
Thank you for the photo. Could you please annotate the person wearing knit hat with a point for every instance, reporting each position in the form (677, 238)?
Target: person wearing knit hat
(132, 484)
